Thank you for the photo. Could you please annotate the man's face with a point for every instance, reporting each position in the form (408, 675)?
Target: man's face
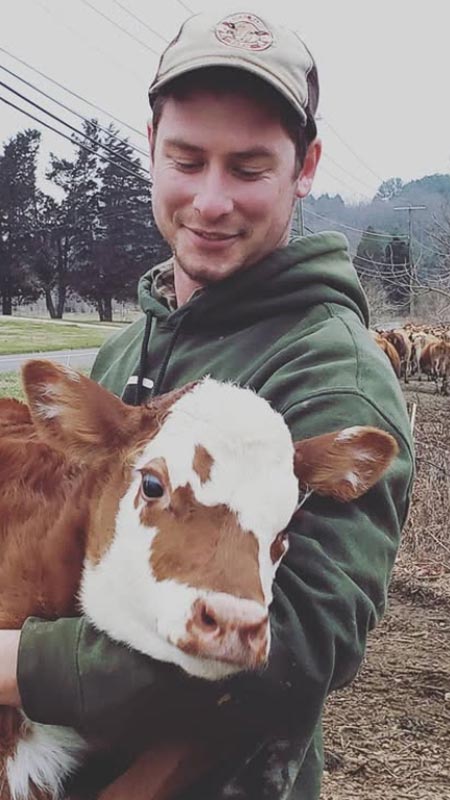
(224, 183)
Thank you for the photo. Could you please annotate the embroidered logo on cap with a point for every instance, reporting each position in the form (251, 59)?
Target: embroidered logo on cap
(244, 30)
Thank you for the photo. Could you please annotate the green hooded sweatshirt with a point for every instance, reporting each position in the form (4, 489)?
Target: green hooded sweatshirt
(293, 327)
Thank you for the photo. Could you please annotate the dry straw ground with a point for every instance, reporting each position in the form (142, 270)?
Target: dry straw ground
(388, 735)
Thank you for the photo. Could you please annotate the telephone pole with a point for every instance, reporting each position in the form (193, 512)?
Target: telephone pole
(300, 224)
(411, 267)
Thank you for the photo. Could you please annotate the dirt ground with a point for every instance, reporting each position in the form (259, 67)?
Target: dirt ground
(387, 737)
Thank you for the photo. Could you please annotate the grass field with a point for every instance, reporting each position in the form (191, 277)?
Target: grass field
(39, 337)
(10, 385)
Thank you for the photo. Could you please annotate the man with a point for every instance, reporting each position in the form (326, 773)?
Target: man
(233, 146)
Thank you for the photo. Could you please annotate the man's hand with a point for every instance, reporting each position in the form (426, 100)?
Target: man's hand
(9, 646)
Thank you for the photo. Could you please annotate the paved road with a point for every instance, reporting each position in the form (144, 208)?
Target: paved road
(73, 358)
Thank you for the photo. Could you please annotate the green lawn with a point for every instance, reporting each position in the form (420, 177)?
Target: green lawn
(38, 337)
(11, 385)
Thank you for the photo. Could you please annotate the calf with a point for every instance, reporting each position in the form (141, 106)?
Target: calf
(163, 524)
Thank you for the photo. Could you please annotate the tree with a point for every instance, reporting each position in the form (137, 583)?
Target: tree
(370, 252)
(382, 263)
(106, 216)
(397, 275)
(389, 189)
(50, 261)
(18, 218)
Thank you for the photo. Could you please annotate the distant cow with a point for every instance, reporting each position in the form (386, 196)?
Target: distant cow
(419, 341)
(435, 362)
(399, 338)
(390, 351)
(163, 524)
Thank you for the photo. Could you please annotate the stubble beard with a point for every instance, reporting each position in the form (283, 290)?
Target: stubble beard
(204, 274)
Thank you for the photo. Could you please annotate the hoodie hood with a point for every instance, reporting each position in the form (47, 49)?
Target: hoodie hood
(309, 271)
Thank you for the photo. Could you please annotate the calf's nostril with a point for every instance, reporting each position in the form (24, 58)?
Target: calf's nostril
(207, 619)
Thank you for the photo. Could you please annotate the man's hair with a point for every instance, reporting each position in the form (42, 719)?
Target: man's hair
(230, 80)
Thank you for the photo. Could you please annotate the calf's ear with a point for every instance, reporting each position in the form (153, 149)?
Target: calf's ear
(74, 413)
(344, 464)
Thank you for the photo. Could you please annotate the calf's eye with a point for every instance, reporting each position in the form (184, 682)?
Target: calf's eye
(152, 487)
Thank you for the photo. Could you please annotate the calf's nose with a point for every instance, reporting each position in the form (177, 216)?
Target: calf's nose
(228, 629)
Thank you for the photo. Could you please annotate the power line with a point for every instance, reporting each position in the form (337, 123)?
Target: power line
(350, 174)
(71, 110)
(377, 263)
(351, 149)
(74, 94)
(185, 6)
(138, 19)
(358, 230)
(430, 249)
(86, 43)
(69, 139)
(67, 124)
(343, 183)
(120, 27)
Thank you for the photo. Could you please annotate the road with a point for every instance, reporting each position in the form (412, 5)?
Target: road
(73, 358)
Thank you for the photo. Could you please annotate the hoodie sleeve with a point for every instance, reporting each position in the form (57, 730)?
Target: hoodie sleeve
(329, 592)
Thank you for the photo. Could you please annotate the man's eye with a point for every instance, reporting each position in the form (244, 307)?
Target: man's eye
(249, 174)
(152, 488)
(188, 166)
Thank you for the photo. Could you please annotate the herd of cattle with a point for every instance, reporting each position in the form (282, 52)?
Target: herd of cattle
(417, 350)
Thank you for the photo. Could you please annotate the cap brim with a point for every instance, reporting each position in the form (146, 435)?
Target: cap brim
(230, 61)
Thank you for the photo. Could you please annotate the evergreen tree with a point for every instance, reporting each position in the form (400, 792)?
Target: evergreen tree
(389, 189)
(18, 218)
(50, 262)
(397, 273)
(73, 221)
(111, 237)
(369, 258)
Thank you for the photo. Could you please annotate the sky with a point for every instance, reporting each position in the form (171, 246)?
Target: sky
(383, 68)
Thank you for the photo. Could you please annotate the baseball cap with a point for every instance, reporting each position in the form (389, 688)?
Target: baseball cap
(246, 41)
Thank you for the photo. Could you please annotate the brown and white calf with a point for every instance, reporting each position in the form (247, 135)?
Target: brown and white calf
(163, 524)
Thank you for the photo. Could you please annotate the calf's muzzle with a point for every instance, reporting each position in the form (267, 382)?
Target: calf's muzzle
(228, 629)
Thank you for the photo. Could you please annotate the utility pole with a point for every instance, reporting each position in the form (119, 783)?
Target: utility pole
(412, 273)
(300, 225)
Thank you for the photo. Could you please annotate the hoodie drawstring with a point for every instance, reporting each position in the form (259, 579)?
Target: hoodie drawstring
(143, 358)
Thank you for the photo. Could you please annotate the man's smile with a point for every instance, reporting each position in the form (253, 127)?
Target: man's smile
(212, 235)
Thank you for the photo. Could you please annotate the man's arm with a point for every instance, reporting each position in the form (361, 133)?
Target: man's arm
(9, 647)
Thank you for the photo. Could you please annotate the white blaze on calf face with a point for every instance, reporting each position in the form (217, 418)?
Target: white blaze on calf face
(224, 460)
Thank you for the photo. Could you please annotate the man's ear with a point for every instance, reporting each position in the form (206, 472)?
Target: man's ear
(151, 143)
(308, 170)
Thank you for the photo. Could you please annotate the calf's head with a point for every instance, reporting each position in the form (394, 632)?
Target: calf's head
(190, 497)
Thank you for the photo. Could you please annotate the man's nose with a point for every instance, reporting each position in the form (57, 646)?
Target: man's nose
(213, 199)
